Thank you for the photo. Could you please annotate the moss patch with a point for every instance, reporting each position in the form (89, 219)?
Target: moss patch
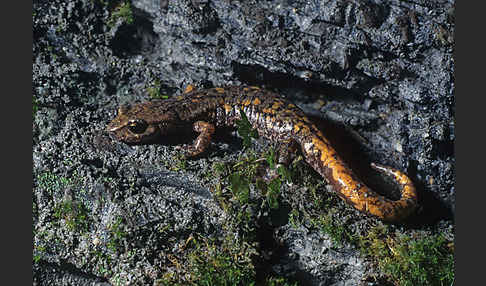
(411, 261)
(338, 232)
(122, 12)
(74, 214)
(117, 234)
(212, 262)
(52, 183)
(154, 91)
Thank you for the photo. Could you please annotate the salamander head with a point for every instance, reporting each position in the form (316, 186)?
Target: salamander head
(141, 123)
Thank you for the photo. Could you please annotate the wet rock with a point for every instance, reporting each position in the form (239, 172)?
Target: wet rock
(314, 258)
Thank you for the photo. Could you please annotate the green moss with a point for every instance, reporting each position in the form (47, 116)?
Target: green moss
(241, 191)
(101, 262)
(36, 258)
(122, 12)
(52, 183)
(244, 174)
(214, 267)
(240, 177)
(75, 215)
(39, 250)
(178, 163)
(404, 260)
(212, 262)
(240, 187)
(410, 261)
(154, 91)
(219, 169)
(294, 218)
(336, 230)
(273, 192)
(219, 262)
(117, 234)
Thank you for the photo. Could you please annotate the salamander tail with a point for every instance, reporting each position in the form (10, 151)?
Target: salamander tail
(394, 211)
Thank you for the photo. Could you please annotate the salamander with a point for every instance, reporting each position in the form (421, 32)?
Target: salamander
(274, 118)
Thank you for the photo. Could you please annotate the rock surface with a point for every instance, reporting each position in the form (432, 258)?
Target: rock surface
(104, 213)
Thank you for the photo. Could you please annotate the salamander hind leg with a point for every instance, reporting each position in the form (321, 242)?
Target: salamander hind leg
(200, 144)
(286, 151)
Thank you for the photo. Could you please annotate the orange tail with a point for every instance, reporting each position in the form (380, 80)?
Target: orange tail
(324, 159)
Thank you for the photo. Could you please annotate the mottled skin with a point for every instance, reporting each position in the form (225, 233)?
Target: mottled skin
(276, 119)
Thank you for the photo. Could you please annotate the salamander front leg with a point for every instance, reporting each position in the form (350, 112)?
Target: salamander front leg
(202, 141)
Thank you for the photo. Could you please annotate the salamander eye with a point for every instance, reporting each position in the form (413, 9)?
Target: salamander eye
(137, 126)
